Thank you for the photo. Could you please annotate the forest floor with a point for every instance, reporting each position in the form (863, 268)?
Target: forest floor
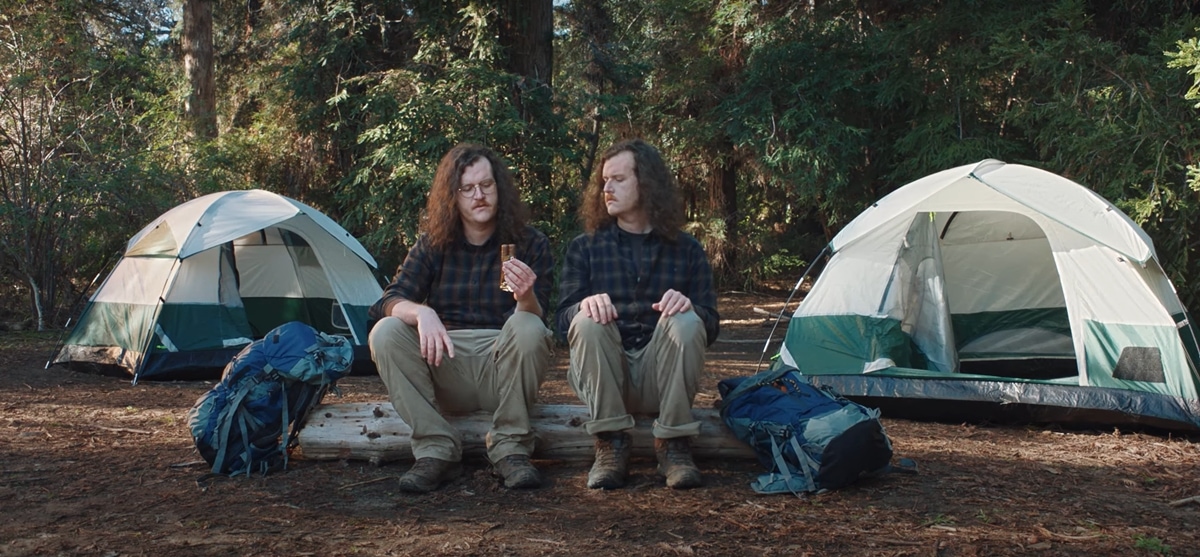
(92, 465)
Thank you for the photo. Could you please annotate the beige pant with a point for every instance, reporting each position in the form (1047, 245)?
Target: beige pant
(497, 371)
(660, 378)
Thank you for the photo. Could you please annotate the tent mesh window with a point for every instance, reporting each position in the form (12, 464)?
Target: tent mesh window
(1140, 363)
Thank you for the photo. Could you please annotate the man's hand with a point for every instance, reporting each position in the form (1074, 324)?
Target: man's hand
(434, 338)
(520, 277)
(672, 303)
(599, 307)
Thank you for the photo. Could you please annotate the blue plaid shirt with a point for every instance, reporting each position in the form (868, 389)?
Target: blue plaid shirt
(603, 263)
(461, 282)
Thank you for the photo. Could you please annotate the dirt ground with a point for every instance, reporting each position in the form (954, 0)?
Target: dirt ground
(93, 465)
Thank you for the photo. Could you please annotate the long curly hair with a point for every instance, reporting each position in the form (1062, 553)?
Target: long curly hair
(657, 192)
(442, 222)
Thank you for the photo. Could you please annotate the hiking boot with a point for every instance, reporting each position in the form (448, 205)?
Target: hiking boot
(428, 474)
(518, 472)
(675, 463)
(612, 460)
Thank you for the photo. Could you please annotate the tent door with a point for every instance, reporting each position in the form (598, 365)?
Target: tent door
(916, 295)
(1008, 307)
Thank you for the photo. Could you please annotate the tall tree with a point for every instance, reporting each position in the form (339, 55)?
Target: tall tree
(596, 83)
(526, 34)
(526, 41)
(197, 43)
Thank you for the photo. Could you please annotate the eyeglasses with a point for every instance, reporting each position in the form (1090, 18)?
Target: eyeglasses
(468, 190)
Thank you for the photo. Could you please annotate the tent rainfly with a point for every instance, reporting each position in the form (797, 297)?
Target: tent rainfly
(999, 291)
(209, 276)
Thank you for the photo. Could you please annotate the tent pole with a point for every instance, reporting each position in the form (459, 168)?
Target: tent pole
(779, 317)
(162, 301)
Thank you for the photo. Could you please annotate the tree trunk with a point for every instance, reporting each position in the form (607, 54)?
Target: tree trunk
(200, 107)
(373, 431)
(36, 294)
(527, 35)
(592, 21)
(723, 189)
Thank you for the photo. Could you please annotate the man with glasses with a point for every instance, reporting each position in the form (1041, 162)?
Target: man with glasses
(449, 339)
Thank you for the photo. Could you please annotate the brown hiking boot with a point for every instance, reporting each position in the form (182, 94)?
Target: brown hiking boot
(612, 460)
(518, 472)
(428, 474)
(675, 463)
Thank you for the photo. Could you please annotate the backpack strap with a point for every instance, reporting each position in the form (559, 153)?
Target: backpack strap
(286, 429)
(784, 478)
(247, 453)
(231, 406)
(805, 463)
(782, 465)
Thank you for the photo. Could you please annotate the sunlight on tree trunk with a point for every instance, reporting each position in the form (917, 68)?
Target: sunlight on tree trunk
(37, 303)
(201, 103)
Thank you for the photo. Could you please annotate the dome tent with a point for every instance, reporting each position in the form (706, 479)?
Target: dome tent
(210, 275)
(999, 290)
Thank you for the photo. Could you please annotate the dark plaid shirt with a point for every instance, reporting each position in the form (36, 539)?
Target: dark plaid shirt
(603, 263)
(461, 282)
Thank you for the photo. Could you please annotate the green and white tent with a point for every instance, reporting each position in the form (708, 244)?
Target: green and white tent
(211, 275)
(1005, 285)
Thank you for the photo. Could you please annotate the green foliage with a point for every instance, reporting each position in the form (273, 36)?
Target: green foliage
(1132, 132)
(1151, 544)
(374, 96)
(75, 165)
(1188, 57)
(782, 263)
(782, 120)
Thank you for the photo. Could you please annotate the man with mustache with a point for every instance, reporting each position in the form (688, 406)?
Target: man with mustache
(637, 308)
(449, 339)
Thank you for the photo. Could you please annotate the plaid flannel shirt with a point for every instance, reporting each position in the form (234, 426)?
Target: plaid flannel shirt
(602, 262)
(461, 282)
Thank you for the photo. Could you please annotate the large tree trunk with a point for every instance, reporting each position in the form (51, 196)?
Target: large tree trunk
(527, 35)
(373, 431)
(201, 105)
(723, 189)
(591, 19)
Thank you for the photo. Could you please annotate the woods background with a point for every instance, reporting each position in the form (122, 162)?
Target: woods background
(783, 119)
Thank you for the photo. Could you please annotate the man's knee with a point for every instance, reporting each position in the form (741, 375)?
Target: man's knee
(383, 330)
(585, 329)
(389, 333)
(684, 326)
(528, 332)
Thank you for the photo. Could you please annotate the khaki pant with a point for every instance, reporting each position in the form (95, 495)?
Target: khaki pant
(496, 371)
(660, 378)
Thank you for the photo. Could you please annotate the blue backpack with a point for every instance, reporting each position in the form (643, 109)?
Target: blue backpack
(810, 439)
(248, 422)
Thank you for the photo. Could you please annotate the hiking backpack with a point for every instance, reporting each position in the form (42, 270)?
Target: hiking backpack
(249, 420)
(810, 439)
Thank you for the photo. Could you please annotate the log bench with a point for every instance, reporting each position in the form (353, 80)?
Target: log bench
(372, 431)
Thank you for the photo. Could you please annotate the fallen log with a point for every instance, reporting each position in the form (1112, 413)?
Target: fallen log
(1184, 501)
(372, 431)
